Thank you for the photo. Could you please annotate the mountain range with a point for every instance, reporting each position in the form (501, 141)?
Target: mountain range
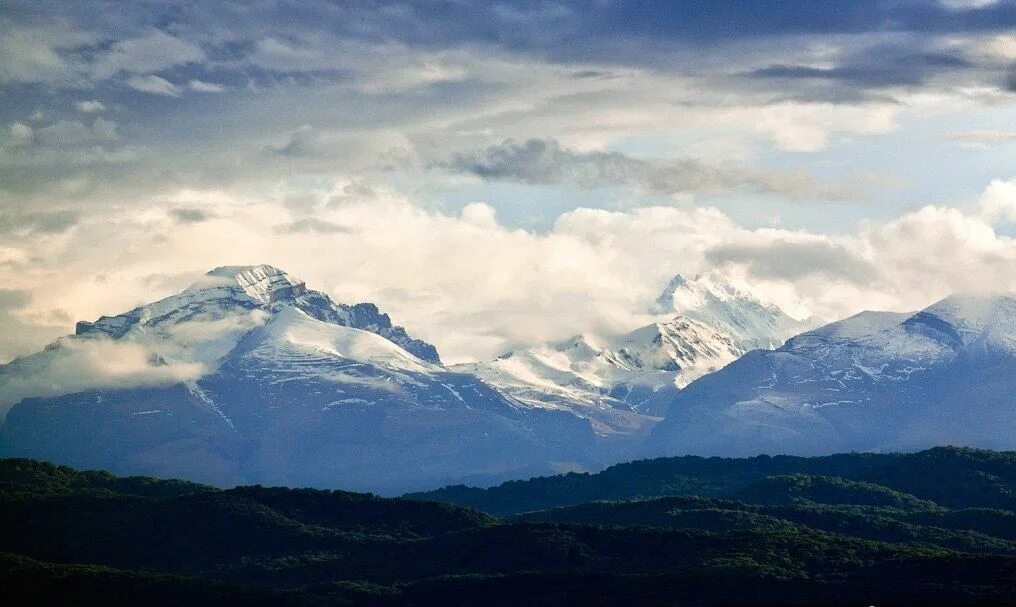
(877, 381)
(705, 324)
(249, 376)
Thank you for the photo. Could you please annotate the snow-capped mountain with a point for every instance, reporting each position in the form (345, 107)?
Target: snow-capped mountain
(248, 376)
(875, 381)
(715, 323)
(229, 293)
(750, 321)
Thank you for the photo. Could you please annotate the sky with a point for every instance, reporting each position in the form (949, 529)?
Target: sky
(497, 174)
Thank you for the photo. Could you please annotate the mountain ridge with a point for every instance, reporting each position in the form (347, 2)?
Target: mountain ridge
(715, 323)
(874, 381)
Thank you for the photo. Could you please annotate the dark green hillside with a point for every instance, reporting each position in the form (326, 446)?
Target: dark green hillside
(948, 476)
(794, 538)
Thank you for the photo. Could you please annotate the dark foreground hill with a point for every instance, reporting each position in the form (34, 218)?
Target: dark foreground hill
(935, 528)
(949, 476)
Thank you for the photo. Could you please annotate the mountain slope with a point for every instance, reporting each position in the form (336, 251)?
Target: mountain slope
(874, 381)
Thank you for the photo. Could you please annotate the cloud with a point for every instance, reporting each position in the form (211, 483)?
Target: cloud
(153, 52)
(90, 106)
(153, 84)
(21, 134)
(201, 86)
(754, 108)
(305, 141)
(967, 4)
(791, 257)
(186, 352)
(34, 52)
(76, 365)
(39, 223)
(12, 299)
(982, 139)
(75, 132)
(310, 224)
(998, 202)
(874, 67)
(476, 287)
(542, 161)
(189, 215)
(21, 332)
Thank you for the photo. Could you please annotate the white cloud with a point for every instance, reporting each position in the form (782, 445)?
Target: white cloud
(983, 139)
(806, 127)
(20, 134)
(476, 287)
(32, 54)
(201, 86)
(75, 132)
(154, 51)
(86, 364)
(153, 84)
(90, 106)
(998, 203)
(967, 4)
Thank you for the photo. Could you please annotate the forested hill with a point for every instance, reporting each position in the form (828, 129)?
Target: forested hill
(949, 476)
(935, 528)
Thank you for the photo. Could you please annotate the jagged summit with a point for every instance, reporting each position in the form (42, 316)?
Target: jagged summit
(730, 307)
(711, 322)
(244, 297)
(664, 304)
(262, 283)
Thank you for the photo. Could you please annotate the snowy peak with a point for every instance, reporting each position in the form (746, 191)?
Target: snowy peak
(712, 322)
(727, 307)
(263, 283)
(874, 381)
(681, 345)
(246, 296)
(293, 339)
(965, 321)
(221, 293)
(665, 303)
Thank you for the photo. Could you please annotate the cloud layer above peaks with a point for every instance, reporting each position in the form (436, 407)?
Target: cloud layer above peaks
(498, 174)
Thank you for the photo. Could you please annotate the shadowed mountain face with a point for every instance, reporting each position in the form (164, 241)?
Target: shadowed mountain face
(291, 389)
(875, 381)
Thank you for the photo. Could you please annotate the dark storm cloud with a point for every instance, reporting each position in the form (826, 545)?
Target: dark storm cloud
(623, 32)
(875, 67)
(545, 161)
(178, 76)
